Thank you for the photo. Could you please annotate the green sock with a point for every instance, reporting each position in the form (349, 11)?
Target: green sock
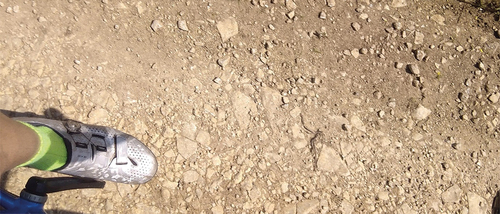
(52, 153)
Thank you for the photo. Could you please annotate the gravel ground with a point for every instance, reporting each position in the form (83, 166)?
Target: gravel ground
(269, 106)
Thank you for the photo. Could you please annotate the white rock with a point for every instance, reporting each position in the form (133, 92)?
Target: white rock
(227, 28)
(399, 3)
(284, 187)
(346, 207)
(290, 5)
(223, 62)
(98, 116)
(300, 143)
(190, 176)
(419, 38)
(140, 8)
(494, 97)
(271, 102)
(355, 26)
(243, 105)
(322, 15)
(330, 3)
(156, 25)
(329, 160)
(189, 130)
(203, 137)
(420, 113)
(254, 194)
(100, 98)
(452, 194)
(406, 209)
(477, 204)
(357, 123)
(295, 112)
(296, 133)
(269, 207)
(355, 52)
(417, 136)
(290, 209)
(186, 147)
(308, 206)
(217, 209)
(414, 69)
(182, 25)
(438, 19)
(383, 195)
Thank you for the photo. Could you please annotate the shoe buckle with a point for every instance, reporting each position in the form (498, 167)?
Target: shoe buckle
(72, 126)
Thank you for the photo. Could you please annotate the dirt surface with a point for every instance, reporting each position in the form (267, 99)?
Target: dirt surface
(313, 106)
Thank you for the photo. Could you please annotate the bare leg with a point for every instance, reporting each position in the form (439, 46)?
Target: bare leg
(18, 143)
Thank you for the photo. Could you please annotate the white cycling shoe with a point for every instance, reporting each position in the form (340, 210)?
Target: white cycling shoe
(101, 152)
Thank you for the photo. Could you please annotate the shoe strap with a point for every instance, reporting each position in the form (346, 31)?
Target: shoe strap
(121, 150)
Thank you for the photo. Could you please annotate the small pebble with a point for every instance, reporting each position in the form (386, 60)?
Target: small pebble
(182, 25)
(463, 96)
(456, 146)
(419, 38)
(330, 3)
(381, 113)
(363, 51)
(414, 69)
(419, 55)
(397, 25)
(355, 26)
(217, 80)
(346, 127)
(355, 53)
(399, 65)
(291, 14)
(363, 16)
(223, 62)
(481, 66)
(460, 48)
(322, 15)
(494, 97)
(155, 25)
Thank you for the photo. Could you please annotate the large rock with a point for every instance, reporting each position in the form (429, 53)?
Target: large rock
(329, 160)
(308, 206)
(243, 105)
(477, 204)
(421, 112)
(227, 28)
(346, 207)
(452, 194)
(357, 123)
(271, 100)
(186, 147)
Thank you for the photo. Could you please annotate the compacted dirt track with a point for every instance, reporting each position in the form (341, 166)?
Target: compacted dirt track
(269, 106)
